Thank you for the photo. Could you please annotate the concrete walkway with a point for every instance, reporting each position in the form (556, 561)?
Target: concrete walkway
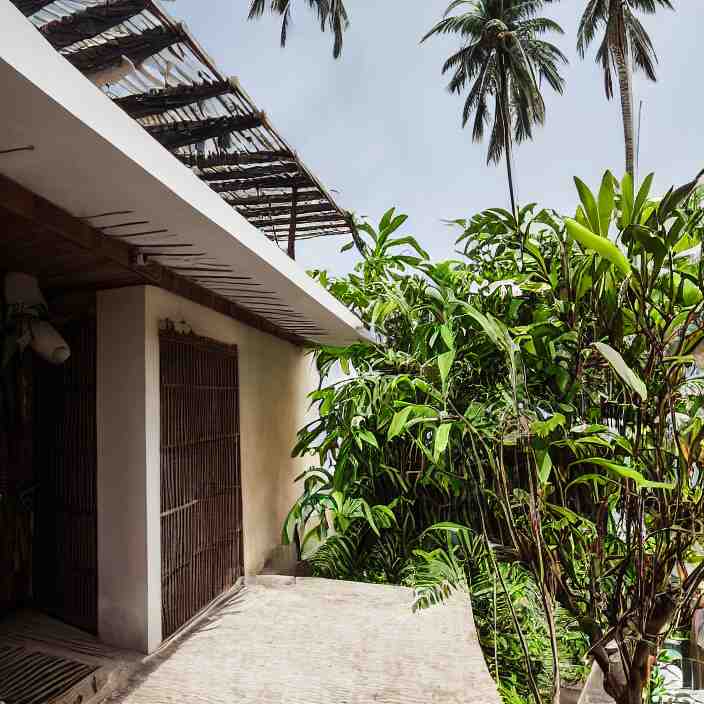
(315, 641)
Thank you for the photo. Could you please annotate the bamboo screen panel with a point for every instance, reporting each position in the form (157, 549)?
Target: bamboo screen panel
(201, 506)
(65, 461)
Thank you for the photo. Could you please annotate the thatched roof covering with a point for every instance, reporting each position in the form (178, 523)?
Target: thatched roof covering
(155, 71)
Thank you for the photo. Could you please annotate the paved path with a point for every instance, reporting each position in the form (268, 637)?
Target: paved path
(323, 642)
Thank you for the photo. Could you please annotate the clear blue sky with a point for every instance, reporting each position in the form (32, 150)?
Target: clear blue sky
(379, 128)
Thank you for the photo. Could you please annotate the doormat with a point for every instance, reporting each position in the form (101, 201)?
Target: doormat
(28, 677)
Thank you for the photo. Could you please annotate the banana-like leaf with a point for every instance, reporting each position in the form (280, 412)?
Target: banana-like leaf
(442, 437)
(627, 375)
(445, 361)
(606, 203)
(625, 472)
(590, 208)
(602, 246)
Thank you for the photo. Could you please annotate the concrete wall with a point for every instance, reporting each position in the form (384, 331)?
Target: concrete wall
(275, 378)
(129, 546)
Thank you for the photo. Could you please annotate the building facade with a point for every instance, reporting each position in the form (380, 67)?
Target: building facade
(147, 473)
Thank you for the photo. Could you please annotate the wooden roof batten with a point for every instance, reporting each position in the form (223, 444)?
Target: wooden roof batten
(181, 134)
(153, 68)
(267, 200)
(252, 172)
(31, 7)
(237, 159)
(155, 102)
(135, 47)
(91, 21)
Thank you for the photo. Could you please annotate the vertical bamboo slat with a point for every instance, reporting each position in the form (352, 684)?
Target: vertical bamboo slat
(201, 534)
(65, 462)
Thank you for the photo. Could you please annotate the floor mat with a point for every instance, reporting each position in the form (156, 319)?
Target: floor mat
(28, 677)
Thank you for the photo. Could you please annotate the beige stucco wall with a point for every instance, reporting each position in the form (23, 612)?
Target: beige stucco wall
(275, 378)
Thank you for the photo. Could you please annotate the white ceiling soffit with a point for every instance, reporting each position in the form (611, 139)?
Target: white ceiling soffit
(90, 157)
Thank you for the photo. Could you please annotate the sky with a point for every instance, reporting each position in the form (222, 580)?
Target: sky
(380, 130)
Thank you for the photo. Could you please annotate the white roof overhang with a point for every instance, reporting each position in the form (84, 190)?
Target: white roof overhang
(89, 157)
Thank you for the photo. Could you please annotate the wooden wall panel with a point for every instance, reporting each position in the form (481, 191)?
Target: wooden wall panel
(65, 462)
(201, 505)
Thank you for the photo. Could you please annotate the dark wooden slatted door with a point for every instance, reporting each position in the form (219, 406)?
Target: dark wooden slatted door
(65, 462)
(201, 506)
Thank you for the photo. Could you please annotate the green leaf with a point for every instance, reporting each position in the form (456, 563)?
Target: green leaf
(445, 361)
(602, 246)
(627, 375)
(368, 437)
(543, 428)
(606, 203)
(544, 465)
(442, 436)
(487, 326)
(347, 247)
(448, 336)
(625, 472)
(591, 211)
(642, 196)
(398, 422)
(369, 516)
(449, 527)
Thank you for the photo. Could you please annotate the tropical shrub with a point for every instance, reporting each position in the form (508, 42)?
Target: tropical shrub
(543, 393)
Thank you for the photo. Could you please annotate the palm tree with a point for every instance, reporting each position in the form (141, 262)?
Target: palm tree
(503, 60)
(331, 14)
(624, 39)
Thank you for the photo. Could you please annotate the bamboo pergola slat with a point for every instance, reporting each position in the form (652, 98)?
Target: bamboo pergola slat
(300, 210)
(30, 7)
(266, 201)
(273, 182)
(91, 22)
(183, 133)
(329, 218)
(136, 47)
(151, 66)
(240, 159)
(252, 172)
(158, 101)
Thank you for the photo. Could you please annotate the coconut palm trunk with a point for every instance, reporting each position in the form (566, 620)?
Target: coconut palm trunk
(506, 127)
(625, 88)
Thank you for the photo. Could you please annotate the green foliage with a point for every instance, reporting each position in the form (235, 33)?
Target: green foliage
(543, 392)
(506, 608)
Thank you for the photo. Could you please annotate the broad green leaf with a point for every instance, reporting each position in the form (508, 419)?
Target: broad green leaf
(543, 428)
(544, 465)
(442, 436)
(368, 437)
(586, 479)
(398, 422)
(606, 203)
(386, 218)
(602, 246)
(627, 375)
(447, 336)
(445, 361)
(625, 472)
(449, 527)
(369, 516)
(591, 210)
(642, 197)
(489, 328)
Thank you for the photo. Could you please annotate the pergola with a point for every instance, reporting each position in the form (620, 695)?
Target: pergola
(151, 67)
